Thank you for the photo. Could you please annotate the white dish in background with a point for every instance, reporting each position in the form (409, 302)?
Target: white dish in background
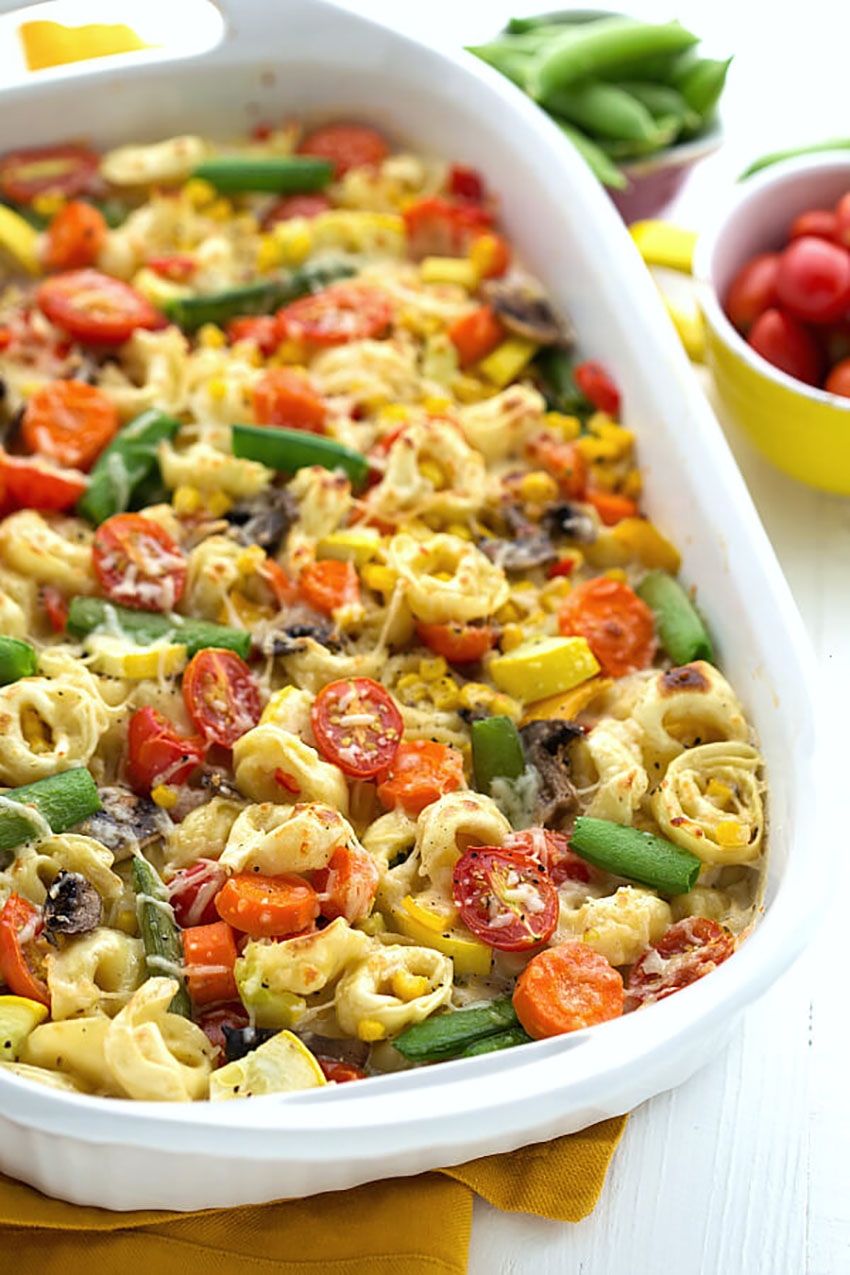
(312, 59)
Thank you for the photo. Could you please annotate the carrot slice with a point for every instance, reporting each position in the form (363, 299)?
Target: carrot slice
(475, 335)
(422, 772)
(565, 989)
(611, 506)
(329, 584)
(267, 907)
(209, 952)
(75, 236)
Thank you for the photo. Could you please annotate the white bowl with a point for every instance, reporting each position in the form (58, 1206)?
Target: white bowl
(310, 58)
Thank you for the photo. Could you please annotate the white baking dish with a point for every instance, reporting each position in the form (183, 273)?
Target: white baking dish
(311, 58)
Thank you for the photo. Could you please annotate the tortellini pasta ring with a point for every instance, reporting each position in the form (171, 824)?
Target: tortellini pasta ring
(683, 707)
(446, 578)
(47, 725)
(154, 1055)
(276, 839)
(449, 826)
(394, 987)
(273, 765)
(709, 802)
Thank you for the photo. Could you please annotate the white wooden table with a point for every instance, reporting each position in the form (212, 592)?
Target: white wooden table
(745, 1169)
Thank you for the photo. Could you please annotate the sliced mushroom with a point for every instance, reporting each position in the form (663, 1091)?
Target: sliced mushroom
(570, 520)
(218, 783)
(239, 1041)
(264, 519)
(72, 906)
(125, 822)
(521, 554)
(292, 638)
(546, 745)
(525, 310)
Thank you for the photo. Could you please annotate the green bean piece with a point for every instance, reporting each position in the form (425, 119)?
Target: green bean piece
(160, 932)
(701, 83)
(17, 659)
(603, 110)
(191, 313)
(680, 626)
(151, 491)
(289, 450)
(637, 856)
(663, 102)
(496, 751)
(62, 800)
(501, 1040)
(89, 615)
(584, 52)
(594, 156)
(276, 174)
(776, 157)
(449, 1034)
(555, 367)
(123, 466)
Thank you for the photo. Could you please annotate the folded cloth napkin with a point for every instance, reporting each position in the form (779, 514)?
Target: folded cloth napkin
(403, 1226)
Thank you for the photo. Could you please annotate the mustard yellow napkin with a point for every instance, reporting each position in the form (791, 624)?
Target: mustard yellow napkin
(405, 1226)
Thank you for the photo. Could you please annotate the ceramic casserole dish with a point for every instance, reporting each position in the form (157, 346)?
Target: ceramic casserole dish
(314, 59)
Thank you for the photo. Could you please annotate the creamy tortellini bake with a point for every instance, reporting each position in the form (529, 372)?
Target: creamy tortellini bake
(352, 715)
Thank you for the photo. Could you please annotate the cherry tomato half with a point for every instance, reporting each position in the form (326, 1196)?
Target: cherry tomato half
(842, 220)
(753, 290)
(69, 422)
(138, 564)
(221, 696)
(466, 183)
(75, 236)
(339, 1072)
(505, 898)
(95, 308)
(689, 950)
(57, 170)
(157, 754)
(457, 643)
(28, 483)
(346, 146)
(261, 329)
(295, 206)
(785, 343)
(192, 891)
(552, 851)
(595, 383)
(283, 396)
(438, 227)
(838, 381)
(357, 725)
(344, 312)
(20, 923)
(813, 280)
(347, 886)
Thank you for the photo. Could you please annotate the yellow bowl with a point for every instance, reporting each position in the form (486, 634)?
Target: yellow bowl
(804, 431)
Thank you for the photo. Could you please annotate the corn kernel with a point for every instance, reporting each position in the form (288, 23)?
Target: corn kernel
(220, 210)
(199, 192)
(436, 405)
(408, 987)
(432, 669)
(567, 427)
(211, 337)
(720, 792)
(217, 388)
(731, 833)
(408, 681)
(378, 577)
(293, 241)
(431, 470)
(246, 611)
(251, 560)
(508, 613)
(476, 695)
(164, 796)
(218, 503)
(538, 487)
(47, 205)
(512, 637)
(394, 414)
(595, 449)
(369, 1030)
(505, 706)
(449, 270)
(602, 426)
(617, 574)
(444, 693)
(187, 500)
(269, 256)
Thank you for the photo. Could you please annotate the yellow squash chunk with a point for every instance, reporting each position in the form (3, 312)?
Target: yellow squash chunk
(280, 1065)
(544, 666)
(19, 240)
(114, 657)
(18, 1017)
(357, 545)
(449, 270)
(645, 541)
(508, 360)
(468, 955)
(569, 705)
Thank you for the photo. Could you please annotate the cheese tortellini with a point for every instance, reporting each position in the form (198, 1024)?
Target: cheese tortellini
(709, 802)
(685, 706)
(154, 1055)
(95, 972)
(446, 578)
(449, 826)
(620, 926)
(56, 552)
(273, 765)
(203, 833)
(394, 987)
(277, 839)
(47, 725)
(615, 749)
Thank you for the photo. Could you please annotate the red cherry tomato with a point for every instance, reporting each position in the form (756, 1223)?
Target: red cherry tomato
(93, 307)
(842, 219)
(813, 280)
(339, 1072)
(55, 170)
(192, 891)
(753, 290)
(261, 329)
(505, 898)
(357, 726)
(820, 222)
(552, 851)
(138, 564)
(785, 343)
(689, 950)
(178, 267)
(346, 146)
(295, 206)
(347, 886)
(221, 696)
(466, 183)
(336, 315)
(457, 643)
(838, 381)
(283, 396)
(438, 227)
(212, 1023)
(157, 753)
(29, 483)
(596, 384)
(20, 924)
(55, 606)
(75, 236)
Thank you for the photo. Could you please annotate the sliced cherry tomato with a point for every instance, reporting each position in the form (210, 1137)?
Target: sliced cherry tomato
(813, 280)
(75, 236)
(820, 222)
(785, 343)
(595, 383)
(357, 725)
(466, 183)
(438, 227)
(341, 313)
(54, 170)
(209, 952)
(457, 643)
(345, 146)
(552, 850)
(689, 950)
(283, 396)
(69, 422)
(138, 564)
(422, 771)
(838, 381)
(842, 219)
(618, 625)
(563, 567)
(347, 886)
(95, 308)
(157, 754)
(192, 891)
(55, 606)
(475, 335)
(611, 506)
(338, 1072)
(20, 924)
(176, 266)
(221, 696)
(261, 329)
(505, 898)
(295, 206)
(212, 1023)
(566, 988)
(29, 483)
(753, 290)
(562, 460)
(267, 907)
(329, 584)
